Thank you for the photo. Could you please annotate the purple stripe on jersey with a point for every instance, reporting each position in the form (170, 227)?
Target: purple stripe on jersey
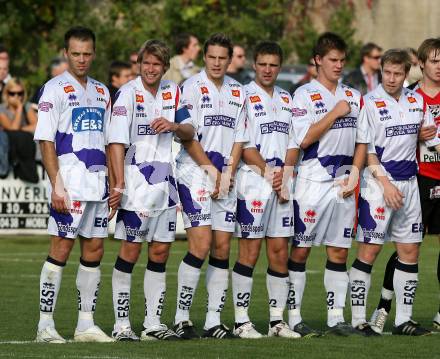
(155, 172)
(63, 143)
(132, 223)
(91, 157)
(189, 206)
(366, 222)
(173, 197)
(336, 165)
(311, 151)
(244, 217)
(63, 221)
(258, 147)
(379, 152)
(217, 159)
(106, 190)
(199, 136)
(181, 115)
(275, 162)
(401, 170)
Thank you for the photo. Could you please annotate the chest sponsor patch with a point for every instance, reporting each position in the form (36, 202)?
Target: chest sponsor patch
(275, 126)
(401, 130)
(344, 122)
(219, 120)
(68, 89)
(88, 119)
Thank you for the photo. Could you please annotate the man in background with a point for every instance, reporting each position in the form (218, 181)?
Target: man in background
(236, 67)
(182, 65)
(119, 74)
(366, 77)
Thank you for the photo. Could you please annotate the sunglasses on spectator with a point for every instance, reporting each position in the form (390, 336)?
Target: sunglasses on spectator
(18, 93)
(375, 57)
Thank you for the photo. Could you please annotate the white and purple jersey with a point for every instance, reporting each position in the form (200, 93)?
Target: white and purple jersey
(149, 180)
(270, 123)
(331, 156)
(394, 127)
(75, 119)
(219, 117)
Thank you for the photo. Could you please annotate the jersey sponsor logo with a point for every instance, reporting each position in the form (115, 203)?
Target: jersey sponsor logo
(254, 99)
(140, 111)
(135, 232)
(257, 206)
(310, 216)
(100, 90)
(401, 130)
(259, 110)
(139, 98)
(170, 107)
(202, 195)
(348, 93)
(249, 228)
(320, 107)
(196, 217)
(233, 103)
(417, 227)
(316, 97)
(140, 108)
(371, 234)
(435, 111)
(286, 109)
(119, 111)
(68, 89)
(145, 130)
(275, 126)
(219, 120)
(384, 116)
(285, 99)
(167, 96)
(236, 93)
(411, 99)
(88, 119)
(205, 102)
(344, 122)
(380, 104)
(101, 222)
(45, 106)
(204, 90)
(417, 109)
(72, 98)
(379, 213)
(76, 207)
(299, 112)
(165, 87)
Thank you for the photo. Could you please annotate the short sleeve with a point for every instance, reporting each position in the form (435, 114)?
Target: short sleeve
(189, 101)
(49, 112)
(251, 142)
(241, 133)
(293, 142)
(302, 116)
(363, 128)
(121, 117)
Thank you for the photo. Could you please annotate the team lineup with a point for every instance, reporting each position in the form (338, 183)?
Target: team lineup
(327, 166)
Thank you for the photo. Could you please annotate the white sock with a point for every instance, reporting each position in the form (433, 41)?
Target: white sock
(297, 283)
(241, 291)
(360, 280)
(121, 287)
(336, 285)
(154, 291)
(277, 288)
(187, 279)
(87, 283)
(50, 282)
(217, 276)
(405, 282)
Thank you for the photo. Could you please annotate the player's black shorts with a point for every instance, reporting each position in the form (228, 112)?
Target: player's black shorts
(430, 200)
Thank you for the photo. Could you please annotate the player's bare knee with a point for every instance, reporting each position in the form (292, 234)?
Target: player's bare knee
(60, 248)
(300, 254)
(159, 252)
(337, 255)
(92, 249)
(368, 253)
(130, 251)
(408, 252)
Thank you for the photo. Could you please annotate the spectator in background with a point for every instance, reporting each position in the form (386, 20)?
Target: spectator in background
(182, 65)
(119, 74)
(4, 55)
(134, 65)
(367, 77)
(4, 73)
(237, 65)
(415, 73)
(311, 74)
(19, 119)
(57, 66)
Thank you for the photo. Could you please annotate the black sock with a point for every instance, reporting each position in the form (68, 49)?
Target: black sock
(274, 322)
(388, 282)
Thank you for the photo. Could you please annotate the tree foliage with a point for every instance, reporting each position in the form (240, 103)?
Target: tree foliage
(33, 30)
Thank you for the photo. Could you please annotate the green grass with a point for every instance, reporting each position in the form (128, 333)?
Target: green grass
(21, 259)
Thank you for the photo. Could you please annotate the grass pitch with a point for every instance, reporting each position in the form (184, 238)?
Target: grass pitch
(21, 259)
